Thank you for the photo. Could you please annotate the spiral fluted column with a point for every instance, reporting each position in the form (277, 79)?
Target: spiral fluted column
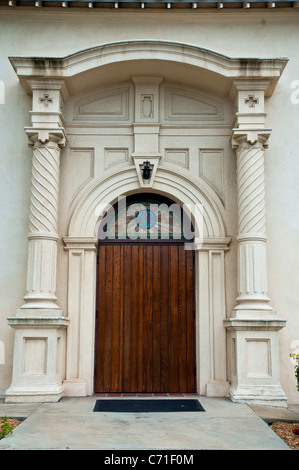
(44, 189)
(252, 272)
(251, 188)
(42, 252)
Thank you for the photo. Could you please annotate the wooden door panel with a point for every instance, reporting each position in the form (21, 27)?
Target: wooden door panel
(145, 326)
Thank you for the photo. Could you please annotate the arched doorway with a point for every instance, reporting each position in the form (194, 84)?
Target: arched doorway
(145, 333)
(82, 247)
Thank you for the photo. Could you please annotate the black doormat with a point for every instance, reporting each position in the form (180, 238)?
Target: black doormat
(147, 405)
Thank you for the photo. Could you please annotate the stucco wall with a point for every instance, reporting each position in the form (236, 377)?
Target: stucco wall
(58, 32)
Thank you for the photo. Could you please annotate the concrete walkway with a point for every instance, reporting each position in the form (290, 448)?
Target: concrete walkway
(72, 424)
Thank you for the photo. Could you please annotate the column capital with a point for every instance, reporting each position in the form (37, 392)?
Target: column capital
(43, 135)
(250, 137)
(80, 243)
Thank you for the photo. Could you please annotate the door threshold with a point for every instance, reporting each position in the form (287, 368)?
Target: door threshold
(145, 395)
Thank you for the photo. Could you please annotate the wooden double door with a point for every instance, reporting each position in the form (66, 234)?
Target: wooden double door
(145, 339)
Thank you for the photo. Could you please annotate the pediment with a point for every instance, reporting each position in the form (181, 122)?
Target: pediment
(68, 70)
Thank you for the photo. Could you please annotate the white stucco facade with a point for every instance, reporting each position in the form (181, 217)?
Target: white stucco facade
(220, 130)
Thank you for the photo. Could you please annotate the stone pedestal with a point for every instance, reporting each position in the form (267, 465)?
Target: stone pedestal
(38, 368)
(254, 360)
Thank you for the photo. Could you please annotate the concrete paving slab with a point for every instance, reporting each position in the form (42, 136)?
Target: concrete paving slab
(272, 413)
(20, 410)
(72, 424)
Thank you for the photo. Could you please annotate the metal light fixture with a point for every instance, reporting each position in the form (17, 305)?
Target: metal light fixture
(146, 171)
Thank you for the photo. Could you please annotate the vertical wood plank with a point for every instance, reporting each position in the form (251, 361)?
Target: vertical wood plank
(108, 289)
(164, 329)
(156, 320)
(148, 310)
(127, 320)
(182, 319)
(173, 333)
(190, 313)
(101, 319)
(141, 319)
(146, 325)
(134, 319)
(116, 357)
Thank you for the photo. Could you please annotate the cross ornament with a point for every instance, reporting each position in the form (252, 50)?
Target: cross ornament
(251, 101)
(46, 99)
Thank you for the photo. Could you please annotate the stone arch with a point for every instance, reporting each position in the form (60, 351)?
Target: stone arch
(86, 215)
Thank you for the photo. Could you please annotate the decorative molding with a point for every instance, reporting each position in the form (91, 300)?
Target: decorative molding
(115, 156)
(109, 105)
(38, 322)
(177, 157)
(211, 169)
(255, 324)
(147, 94)
(183, 105)
(78, 243)
(80, 168)
(207, 244)
(147, 106)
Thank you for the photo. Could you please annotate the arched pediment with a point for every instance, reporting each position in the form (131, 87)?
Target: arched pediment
(70, 68)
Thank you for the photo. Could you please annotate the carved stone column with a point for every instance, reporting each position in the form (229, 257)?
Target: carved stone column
(42, 254)
(253, 328)
(252, 268)
(39, 362)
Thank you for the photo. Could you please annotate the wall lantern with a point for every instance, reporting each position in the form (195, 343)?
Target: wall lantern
(146, 171)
